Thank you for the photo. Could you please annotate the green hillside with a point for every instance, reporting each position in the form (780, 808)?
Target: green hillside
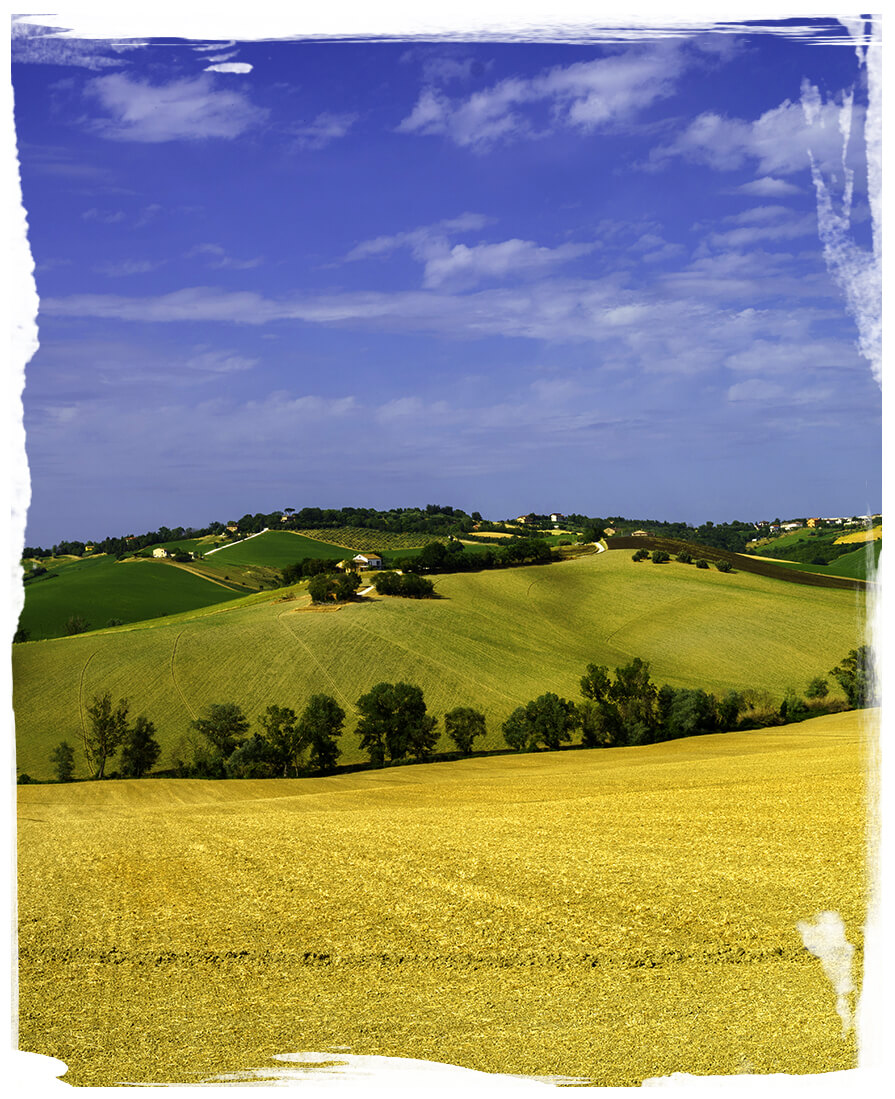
(276, 549)
(853, 565)
(494, 640)
(100, 588)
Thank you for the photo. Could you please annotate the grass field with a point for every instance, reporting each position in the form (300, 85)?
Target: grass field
(609, 914)
(276, 549)
(100, 588)
(494, 640)
(853, 565)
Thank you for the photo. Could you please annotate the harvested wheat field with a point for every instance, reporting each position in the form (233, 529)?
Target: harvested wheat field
(608, 914)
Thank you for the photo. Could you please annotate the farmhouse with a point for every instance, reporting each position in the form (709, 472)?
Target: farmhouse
(813, 522)
(368, 560)
(159, 551)
(640, 534)
(609, 531)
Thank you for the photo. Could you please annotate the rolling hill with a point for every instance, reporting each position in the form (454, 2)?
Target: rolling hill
(493, 640)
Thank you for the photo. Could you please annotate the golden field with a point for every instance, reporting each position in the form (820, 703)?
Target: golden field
(607, 914)
(872, 535)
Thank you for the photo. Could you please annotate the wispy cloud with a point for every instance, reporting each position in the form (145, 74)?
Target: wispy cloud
(218, 259)
(767, 187)
(124, 268)
(584, 96)
(326, 127)
(183, 110)
(778, 142)
(763, 223)
(464, 265)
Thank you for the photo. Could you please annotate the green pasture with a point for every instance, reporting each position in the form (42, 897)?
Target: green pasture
(100, 588)
(853, 565)
(493, 640)
(276, 549)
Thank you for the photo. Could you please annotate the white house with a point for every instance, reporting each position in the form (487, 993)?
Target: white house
(367, 561)
(159, 551)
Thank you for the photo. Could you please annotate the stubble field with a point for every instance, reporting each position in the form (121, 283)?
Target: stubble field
(608, 914)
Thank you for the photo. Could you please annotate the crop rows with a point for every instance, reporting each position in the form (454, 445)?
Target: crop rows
(360, 538)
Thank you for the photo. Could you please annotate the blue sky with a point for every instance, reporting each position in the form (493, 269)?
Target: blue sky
(503, 276)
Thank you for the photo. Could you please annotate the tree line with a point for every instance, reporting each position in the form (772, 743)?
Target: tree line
(394, 725)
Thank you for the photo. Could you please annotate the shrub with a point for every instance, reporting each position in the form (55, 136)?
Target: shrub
(24, 779)
(702, 563)
(76, 624)
(723, 566)
(640, 555)
(817, 688)
(660, 557)
(685, 558)
(63, 756)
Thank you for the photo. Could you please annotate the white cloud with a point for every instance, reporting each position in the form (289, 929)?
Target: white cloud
(584, 96)
(784, 224)
(189, 109)
(462, 264)
(123, 268)
(219, 362)
(465, 265)
(755, 389)
(219, 260)
(420, 239)
(229, 67)
(106, 217)
(779, 141)
(768, 187)
(325, 128)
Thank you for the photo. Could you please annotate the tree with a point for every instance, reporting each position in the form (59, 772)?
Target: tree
(22, 634)
(601, 724)
(281, 733)
(225, 727)
(321, 722)
(320, 588)
(723, 566)
(685, 558)
(855, 675)
(546, 720)
(692, 714)
(140, 750)
(76, 624)
(104, 732)
(792, 708)
(660, 557)
(63, 756)
(517, 731)
(702, 563)
(729, 709)
(817, 688)
(634, 693)
(394, 723)
(253, 758)
(463, 725)
(595, 682)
